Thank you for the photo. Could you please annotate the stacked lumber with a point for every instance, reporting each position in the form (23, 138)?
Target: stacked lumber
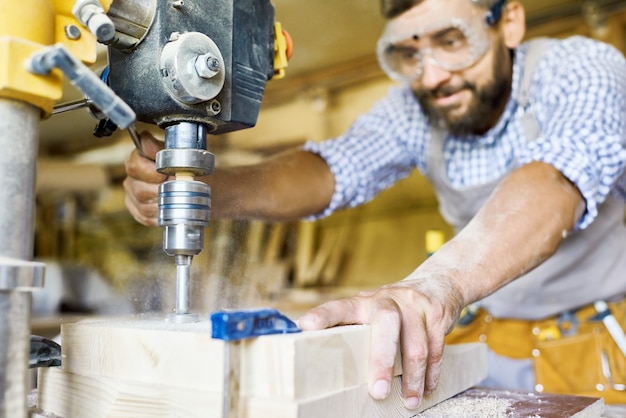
(152, 368)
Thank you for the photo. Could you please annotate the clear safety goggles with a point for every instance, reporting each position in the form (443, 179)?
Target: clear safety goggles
(452, 44)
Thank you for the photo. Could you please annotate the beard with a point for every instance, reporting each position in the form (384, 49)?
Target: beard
(486, 103)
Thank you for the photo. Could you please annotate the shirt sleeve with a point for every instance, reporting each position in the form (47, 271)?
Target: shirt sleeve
(376, 151)
(581, 111)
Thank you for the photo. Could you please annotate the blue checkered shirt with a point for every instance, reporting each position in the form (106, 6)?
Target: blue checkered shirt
(578, 93)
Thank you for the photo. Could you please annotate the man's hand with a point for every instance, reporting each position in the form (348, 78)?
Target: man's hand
(520, 226)
(414, 314)
(142, 181)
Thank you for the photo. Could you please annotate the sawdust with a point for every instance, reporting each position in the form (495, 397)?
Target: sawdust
(33, 410)
(469, 408)
(157, 323)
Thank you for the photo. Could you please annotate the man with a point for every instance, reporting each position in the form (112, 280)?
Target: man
(526, 149)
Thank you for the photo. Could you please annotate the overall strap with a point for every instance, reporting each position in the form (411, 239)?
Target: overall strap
(533, 56)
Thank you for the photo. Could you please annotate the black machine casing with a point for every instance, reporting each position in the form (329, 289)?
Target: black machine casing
(243, 30)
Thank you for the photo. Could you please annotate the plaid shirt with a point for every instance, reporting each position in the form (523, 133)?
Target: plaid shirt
(578, 94)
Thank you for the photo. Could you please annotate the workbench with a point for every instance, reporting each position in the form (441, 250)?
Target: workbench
(480, 402)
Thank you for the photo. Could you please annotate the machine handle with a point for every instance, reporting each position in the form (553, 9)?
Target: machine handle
(98, 93)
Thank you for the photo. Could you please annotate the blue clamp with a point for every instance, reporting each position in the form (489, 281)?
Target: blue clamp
(233, 325)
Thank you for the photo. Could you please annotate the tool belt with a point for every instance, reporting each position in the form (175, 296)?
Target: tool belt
(572, 353)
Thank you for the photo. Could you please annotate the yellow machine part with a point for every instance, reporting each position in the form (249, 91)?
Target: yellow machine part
(434, 240)
(282, 50)
(27, 27)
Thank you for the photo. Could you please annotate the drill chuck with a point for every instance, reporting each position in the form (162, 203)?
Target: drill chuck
(184, 212)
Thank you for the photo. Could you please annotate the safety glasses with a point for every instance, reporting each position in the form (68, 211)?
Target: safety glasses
(452, 44)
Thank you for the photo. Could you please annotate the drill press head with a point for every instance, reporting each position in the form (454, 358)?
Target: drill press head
(200, 61)
(192, 67)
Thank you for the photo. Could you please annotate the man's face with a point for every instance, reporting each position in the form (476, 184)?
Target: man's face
(469, 101)
(464, 93)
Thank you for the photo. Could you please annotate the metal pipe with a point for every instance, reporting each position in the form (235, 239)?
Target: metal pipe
(19, 123)
(14, 334)
(19, 130)
(70, 106)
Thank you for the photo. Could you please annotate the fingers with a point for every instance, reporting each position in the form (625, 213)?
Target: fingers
(337, 312)
(142, 182)
(141, 200)
(384, 345)
(142, 168)
(433, 371)
(150, 145)
(415, 358)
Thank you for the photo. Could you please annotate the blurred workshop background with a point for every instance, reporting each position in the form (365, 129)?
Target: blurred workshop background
(100, 260)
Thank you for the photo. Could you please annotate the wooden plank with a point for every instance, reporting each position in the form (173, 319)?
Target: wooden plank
(149, 351)
(185, 355)
(71, 395)
(306, 364)
(151, 364)
(107, 398)
(464, 365)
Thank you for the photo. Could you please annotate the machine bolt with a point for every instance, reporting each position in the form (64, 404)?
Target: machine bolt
(215, 107)
(207, 65)
(91, 14)
(72, 32)
(213, 63)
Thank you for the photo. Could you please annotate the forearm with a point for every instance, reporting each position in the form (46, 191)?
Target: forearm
(520, 226)
(289, 186)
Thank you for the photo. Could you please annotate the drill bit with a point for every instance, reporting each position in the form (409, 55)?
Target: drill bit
(183, 277)
(183, 264)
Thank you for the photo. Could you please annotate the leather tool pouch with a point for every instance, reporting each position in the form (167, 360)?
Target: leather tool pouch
(577, 356)
(587, 363)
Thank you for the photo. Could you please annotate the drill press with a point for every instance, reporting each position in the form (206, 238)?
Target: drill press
(193, 68)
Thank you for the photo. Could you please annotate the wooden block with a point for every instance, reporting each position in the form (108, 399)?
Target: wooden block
(307, 364)
(156, 364)
(70, 395)
(150, 351)
(185, 355)
(464, 365)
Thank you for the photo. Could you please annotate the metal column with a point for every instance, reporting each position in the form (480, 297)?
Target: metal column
(19, 123)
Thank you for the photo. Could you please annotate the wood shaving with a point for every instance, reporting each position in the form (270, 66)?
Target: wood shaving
(469, 408)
